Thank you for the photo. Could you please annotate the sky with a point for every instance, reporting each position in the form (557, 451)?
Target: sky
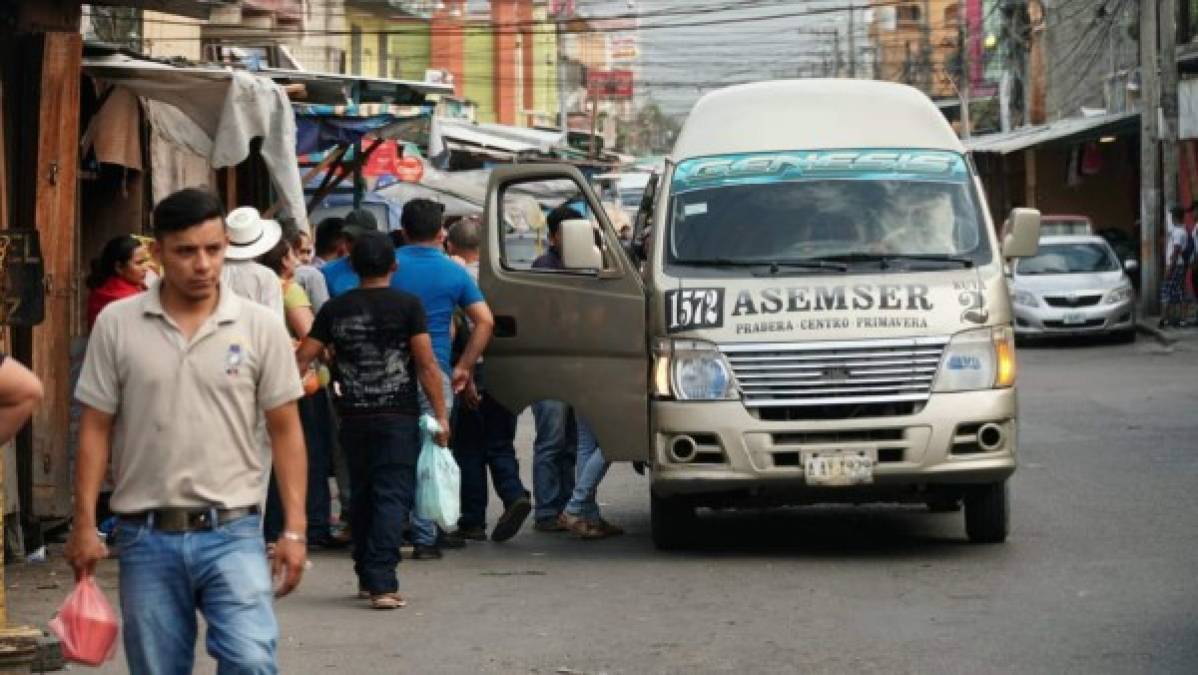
(746, 41)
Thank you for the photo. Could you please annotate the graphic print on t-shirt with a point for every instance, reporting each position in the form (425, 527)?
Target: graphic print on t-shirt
(370, 331)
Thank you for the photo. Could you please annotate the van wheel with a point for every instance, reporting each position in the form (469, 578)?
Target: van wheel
(987, 513)
(672, 520)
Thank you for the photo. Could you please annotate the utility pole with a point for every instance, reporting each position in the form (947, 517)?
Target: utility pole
(1168, 94)
(563, 116)
(836, 50)
(963, 91)
(852, 39)
(1150, 207)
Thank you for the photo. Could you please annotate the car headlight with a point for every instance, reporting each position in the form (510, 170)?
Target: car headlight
(692, 370)
(1121, 294)
(978, 359)
(1024, 298)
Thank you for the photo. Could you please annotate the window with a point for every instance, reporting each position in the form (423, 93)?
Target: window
(526, 207)
(909, 14)
(355, 50)
(384, 54)
(1069, 259)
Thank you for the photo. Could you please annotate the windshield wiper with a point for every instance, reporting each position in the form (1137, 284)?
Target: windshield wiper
(773, 265)
(884, 259)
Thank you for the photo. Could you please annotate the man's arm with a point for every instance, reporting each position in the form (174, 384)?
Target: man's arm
(484, 325)
(84, 547)
(20, 392)
(429, 374)
(308, 350)
(291, 473)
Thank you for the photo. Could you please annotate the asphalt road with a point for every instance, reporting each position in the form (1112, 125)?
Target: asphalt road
(1099, 574)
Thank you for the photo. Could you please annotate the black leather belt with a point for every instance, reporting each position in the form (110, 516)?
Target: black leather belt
(188, 519)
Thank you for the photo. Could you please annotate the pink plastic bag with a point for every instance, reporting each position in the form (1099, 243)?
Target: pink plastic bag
(86, 624)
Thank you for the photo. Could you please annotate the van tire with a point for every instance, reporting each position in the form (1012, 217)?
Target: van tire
(987, 513)
(672, 521)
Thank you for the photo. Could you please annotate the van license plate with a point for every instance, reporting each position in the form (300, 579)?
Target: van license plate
(838, 467)
(1074, 318)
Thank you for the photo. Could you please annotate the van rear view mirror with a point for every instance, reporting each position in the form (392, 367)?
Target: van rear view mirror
(1023, 238)
(579, 251)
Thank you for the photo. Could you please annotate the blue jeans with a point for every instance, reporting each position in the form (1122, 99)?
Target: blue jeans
(317, 420)
(222, 573)
(424, 532)
(484, 438)
(592, 467)
(382, 452)
(552, 458)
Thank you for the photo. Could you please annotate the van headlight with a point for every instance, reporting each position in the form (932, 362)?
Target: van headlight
(1121, 294)
(692, 370)
(1024, 298)
(978, 359)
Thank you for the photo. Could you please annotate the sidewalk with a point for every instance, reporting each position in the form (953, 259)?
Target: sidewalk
(1148, 325)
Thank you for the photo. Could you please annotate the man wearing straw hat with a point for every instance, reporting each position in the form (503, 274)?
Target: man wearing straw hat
(249, 237)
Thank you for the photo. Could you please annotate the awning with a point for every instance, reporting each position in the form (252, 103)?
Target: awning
(340, 89)
(1073, 128)
(321, 127)
(230, 107)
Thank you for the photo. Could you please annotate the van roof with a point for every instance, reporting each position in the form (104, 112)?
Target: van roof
(813, 114)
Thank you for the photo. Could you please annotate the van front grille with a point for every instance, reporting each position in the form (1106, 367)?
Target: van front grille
(831, 373)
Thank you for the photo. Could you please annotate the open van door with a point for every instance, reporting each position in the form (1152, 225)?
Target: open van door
(576, 335)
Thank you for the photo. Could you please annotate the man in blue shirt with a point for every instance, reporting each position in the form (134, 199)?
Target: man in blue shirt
(339, 275)
(443, 286)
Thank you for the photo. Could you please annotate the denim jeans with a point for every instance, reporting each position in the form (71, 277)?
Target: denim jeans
(592, 467)
(317, 420)
(552, 458)
(382, 452)
(485, 438)
(222, 573)
(424, 532)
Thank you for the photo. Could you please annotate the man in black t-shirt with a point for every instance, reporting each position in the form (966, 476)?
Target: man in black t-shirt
(381, 348)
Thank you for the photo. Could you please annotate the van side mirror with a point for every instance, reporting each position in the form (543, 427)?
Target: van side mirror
(579, 251)
(1023, 238)
(1131, 266)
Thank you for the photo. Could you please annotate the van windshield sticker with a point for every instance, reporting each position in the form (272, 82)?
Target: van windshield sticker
(696, 209)
(740, 169)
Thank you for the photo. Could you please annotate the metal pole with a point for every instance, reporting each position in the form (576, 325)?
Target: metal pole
(1150, 223)
(563, 116)
(852, 39)
(1168, 94)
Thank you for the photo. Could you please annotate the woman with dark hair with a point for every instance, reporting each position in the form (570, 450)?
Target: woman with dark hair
(297, 307)
(118, 273)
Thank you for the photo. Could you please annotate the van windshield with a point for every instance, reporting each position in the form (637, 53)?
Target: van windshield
(856, 206)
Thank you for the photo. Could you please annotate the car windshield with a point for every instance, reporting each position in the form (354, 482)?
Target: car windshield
(1069, 259)
(858, 205)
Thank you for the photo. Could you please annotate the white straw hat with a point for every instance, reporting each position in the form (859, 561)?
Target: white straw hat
(249, 234)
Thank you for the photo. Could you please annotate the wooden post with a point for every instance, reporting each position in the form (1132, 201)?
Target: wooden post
(54, 215)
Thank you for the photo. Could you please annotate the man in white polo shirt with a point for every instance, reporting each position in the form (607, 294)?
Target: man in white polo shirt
(172, 386)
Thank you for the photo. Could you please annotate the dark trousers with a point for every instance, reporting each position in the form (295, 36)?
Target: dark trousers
(317, 420)
(484, 438)
(382, 452)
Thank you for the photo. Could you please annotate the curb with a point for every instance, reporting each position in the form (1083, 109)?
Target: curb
(1155, 333)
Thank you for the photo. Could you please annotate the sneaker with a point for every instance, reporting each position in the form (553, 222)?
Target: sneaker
(425, 552)
(471, 533)
(555, 524)
(512, 519)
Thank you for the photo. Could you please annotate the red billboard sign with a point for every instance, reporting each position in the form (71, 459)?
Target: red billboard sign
(610, 84)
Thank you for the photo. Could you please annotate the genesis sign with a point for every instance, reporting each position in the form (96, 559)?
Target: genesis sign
(922, 165)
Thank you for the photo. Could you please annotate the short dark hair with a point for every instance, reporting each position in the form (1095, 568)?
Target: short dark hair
(184, 210)
(397, 238)
(329, 234)
(274, 257)
(561, 213)
(421, 219)
(373, 255)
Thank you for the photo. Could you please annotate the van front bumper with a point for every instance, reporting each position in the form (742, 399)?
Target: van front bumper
(737, 453)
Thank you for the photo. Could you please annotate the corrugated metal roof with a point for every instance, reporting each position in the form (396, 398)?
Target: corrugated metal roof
(1027, 137)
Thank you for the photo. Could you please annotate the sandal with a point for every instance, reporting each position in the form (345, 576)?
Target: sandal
(387, 601)
(584, 528)
(609, 529)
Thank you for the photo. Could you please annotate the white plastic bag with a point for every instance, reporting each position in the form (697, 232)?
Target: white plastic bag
(438, 479)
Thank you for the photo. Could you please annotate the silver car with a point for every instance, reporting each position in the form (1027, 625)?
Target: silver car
(1074, 285)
